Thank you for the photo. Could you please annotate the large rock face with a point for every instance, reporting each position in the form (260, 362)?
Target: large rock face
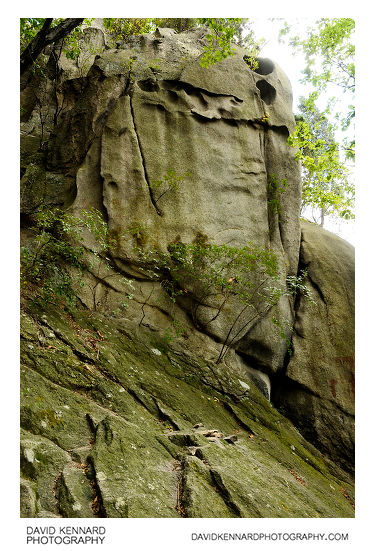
(140, 113)
(317, 386)
(150, 108)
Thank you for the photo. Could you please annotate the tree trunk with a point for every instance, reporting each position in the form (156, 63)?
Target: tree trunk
(46, 36)
(322, 217)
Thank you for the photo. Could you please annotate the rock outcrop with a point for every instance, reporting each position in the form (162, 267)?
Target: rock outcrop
(317, 385)
(110, 399)
(112, 427)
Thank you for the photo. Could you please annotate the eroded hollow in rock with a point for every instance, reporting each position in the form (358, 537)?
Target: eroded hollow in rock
(267, 91)
(148, 85)
(265, 66)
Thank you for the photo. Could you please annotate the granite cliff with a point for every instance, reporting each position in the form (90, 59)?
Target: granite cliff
(126, 410)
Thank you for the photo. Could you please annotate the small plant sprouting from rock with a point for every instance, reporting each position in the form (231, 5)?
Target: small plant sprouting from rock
(84, 59)
(275, 187)
(242, 284)
(138, 232)
(100, 263)
(285, 327)
(169, 183)
(154, 64)
(296, 285)
(251, 59)
(129, 64)
(42, 259)
(206, 275)
(266, 118)
(175, 331)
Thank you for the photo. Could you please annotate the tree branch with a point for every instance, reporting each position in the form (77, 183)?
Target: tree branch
(46, 36)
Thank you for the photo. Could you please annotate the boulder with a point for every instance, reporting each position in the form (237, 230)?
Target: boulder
(126, 409)
(148, 110)
(317, 386)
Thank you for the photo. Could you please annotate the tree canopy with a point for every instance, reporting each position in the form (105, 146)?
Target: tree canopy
(324, 136)
(326, 184)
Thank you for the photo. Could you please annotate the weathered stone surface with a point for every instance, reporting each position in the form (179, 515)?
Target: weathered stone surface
(149, 107)
(101, 434)
(28, 507)
(91, 43)
(130, 415)
(133, 470)
(74, 493)
(41, 461)
(44, 189)
(211, 124)
(198, 497)
(318, 388)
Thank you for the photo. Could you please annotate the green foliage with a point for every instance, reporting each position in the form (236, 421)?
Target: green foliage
(42, 261)
(219, 40)
(178, 328)
(275, 187)
(84, 58)
(154, 64)
(58, 246)
(285, 327)
(170, 182)
(326, 181)
(29, 27)
(138, 232)
(204, 274)
(178, 24)
(297, 287)
(93, 220)
(223, 32)
(201, 274)
(329, 53)
(176, 331)
(266, 117)
(121, 29)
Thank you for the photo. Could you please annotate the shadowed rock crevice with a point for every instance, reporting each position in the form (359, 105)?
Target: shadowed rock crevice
(190, 90)
(288, 393)
(152, 198)
(181, 489)
(309, 388)
(97, 500)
